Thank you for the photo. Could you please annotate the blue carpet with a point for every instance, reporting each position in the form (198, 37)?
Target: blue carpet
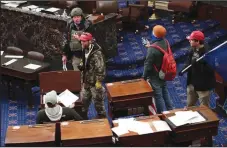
(132, 54)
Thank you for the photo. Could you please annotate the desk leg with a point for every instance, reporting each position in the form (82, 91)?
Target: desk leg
(110, 110)
(28, 89)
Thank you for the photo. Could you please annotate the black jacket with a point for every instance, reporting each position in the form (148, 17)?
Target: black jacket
(200, 75)
(67, 114)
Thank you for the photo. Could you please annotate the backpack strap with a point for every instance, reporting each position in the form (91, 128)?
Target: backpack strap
(162, 50)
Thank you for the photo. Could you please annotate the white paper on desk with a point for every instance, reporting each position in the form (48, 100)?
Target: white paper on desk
(32, 66)
(32, 7)
(143, 128)
(10, 62)
(14, 56)
(52, 9)
(124, 123)
(2, 52)
(161, 126)
(39, 9)
(5, 2)
(67, 98)
(14, 5)
(186, 117)
(120, 130)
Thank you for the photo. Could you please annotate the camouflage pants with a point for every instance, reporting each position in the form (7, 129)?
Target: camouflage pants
(97, 95)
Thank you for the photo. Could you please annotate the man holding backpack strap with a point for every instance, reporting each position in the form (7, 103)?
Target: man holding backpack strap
(160, 67)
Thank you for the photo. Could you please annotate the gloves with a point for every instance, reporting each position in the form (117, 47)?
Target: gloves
(80, 66)
(64, 59)
(98, 85)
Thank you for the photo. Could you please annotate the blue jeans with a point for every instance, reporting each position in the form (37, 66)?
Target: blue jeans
(161, 97)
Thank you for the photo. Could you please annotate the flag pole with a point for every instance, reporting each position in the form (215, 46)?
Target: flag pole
(204, 56)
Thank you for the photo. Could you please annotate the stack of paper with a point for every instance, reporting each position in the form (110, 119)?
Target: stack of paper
(67, 98)
(126, 125)
(186, 117)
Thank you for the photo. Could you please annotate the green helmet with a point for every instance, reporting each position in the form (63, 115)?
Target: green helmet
(76, 12)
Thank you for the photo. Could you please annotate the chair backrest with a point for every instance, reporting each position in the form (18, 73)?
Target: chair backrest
(60, 81)
(14, 50)
(35, 55)
(106, 7)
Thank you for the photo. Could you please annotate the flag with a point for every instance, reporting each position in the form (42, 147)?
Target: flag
(152, 108)
(217, 59)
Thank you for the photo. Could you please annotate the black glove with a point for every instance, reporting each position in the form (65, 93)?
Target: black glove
(80, 67)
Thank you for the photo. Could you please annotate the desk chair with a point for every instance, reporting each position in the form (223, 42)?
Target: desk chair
(14, 50)
(7, 80)
(60, 81)
(35, 56)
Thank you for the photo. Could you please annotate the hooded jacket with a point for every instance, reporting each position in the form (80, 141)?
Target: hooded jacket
(94, 67)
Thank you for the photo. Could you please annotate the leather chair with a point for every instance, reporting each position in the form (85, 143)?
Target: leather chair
(14, 50)
(35, 55)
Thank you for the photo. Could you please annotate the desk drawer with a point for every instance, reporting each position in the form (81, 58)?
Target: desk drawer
(154, 139)
(194, 134)
(132, 102)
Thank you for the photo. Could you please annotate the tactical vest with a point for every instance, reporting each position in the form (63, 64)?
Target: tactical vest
(75, 44)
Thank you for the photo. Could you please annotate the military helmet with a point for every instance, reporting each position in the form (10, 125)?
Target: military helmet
(76, 12)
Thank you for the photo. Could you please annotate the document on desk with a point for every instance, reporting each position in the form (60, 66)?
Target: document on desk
(32, 66)
(14, 5)
(32, 7)
(10, 62)
(120, 130)
(142, 128)
(186, 117)
(14, 56)
(67, 98)
(2, 52)
(52, 9)
(161, 126)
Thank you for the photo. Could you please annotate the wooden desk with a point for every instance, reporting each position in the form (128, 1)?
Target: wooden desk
(86, 134)
(63, 80)
(31, 136)
(132, 139)
(221, 90)
(195, 131)
(17, 72)
(129, 94)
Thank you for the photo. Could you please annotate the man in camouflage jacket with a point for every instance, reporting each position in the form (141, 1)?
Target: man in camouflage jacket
(93, 69)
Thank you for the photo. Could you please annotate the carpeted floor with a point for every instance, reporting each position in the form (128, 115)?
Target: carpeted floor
(129, 64)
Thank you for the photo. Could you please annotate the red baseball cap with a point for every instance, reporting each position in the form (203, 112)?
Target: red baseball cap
(196, 35)
(86, 37)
